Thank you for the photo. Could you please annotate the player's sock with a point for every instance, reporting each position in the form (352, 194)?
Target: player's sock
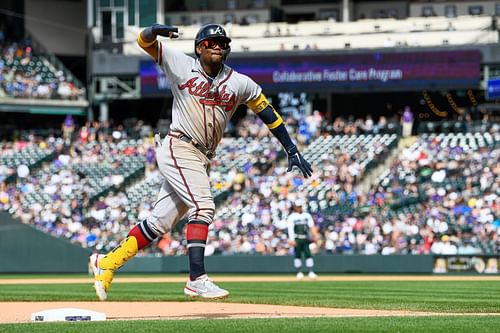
(297, 263)
(196, 236)
(143, 234)
(139, 237)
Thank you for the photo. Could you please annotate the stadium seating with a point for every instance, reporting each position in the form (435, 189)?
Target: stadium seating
(144, 190)
(232, 154)
(373, 33)
(26, 75)
(449, 173)
(408, 200)
(28, 154)
(86, 178)
(236, 154)
(366, 151)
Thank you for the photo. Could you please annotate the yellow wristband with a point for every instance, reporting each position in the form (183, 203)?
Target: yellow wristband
(143, 43)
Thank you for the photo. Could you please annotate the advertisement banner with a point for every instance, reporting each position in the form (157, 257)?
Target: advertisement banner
(493, 91)
(153, 81)
(376, 71)
(483, 264)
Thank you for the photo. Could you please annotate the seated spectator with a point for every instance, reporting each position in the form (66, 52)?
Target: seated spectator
(444, 246)
(466, 248)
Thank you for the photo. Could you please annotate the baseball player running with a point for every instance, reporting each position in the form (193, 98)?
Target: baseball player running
(300, 230)
(206, 94)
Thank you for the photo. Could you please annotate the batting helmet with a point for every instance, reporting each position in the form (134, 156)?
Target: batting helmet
(212, 31)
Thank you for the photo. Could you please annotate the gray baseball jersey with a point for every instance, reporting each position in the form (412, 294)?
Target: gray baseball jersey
(201, 109)
(203, 106)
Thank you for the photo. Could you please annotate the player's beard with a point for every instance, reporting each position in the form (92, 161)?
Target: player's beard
(216, 59)
(214, 62)
(211, 62)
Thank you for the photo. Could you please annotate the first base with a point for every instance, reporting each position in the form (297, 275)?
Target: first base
(67, 314)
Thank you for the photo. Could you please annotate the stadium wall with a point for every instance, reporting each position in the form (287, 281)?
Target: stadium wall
(284, 264)
(24, 249)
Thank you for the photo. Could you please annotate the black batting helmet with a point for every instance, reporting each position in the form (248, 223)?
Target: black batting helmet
(212, 31)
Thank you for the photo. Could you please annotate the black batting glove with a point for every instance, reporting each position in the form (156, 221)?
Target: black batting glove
(165, 30)
(295, 159)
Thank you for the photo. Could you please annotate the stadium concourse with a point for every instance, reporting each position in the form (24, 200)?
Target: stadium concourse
(440, 193)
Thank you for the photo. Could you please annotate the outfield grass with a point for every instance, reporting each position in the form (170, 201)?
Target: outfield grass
(433, 296)
(452, 324)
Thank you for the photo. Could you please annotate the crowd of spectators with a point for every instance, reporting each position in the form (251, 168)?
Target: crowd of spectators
(26, 75)
(446, 220)
(453, 187)
(56, 197)
(413, 209)
(406, 216)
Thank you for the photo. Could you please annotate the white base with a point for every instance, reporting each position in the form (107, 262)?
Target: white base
(67, 314)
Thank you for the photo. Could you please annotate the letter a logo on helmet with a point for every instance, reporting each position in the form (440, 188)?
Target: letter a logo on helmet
(211, 31)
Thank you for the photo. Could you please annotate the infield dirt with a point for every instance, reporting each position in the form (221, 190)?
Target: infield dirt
(18, 312)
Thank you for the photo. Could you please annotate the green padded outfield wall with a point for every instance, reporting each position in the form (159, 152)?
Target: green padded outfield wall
(281, 264)
(24, 249)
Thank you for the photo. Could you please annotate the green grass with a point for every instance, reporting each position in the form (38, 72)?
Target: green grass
(433, 296)
(452, 324)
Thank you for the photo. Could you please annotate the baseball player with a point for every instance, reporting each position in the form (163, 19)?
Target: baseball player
(206, 94)
(300, 229)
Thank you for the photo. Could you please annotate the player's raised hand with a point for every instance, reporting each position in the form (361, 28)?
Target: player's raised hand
(165, 30)
(295, 159)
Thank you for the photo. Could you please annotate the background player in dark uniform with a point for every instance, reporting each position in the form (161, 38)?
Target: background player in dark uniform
(301, 231)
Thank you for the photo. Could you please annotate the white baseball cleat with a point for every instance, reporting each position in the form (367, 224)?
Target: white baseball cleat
(205, 288)
(300, 276)
(102, 280)
(312, 275)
